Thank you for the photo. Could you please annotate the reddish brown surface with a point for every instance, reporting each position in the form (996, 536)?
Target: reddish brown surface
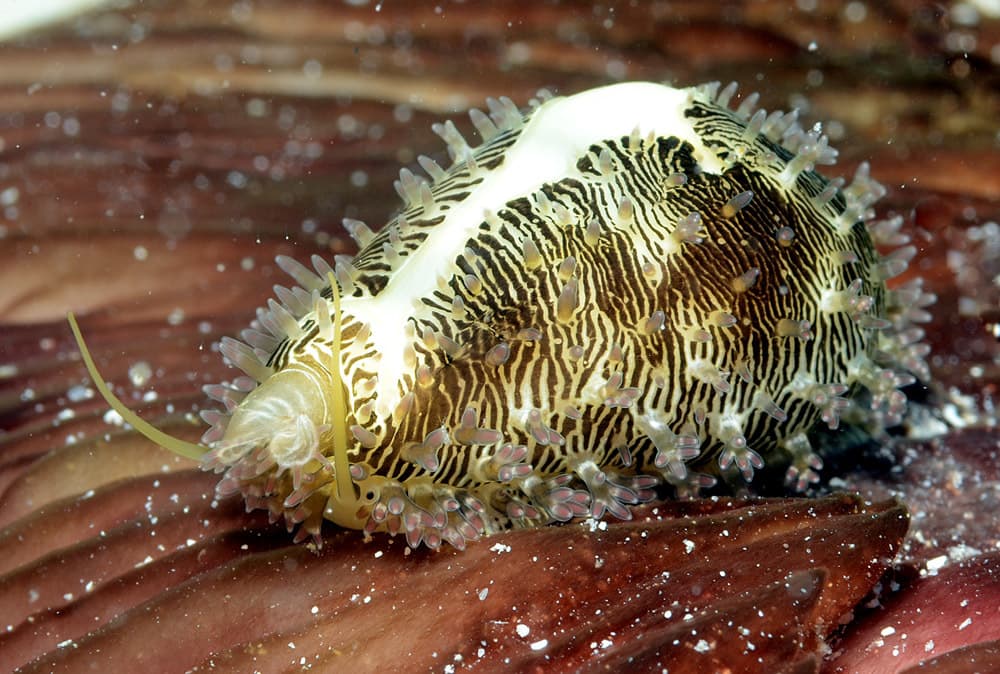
(205, 140)
(981, 657)
(952, 608)
(652, 590)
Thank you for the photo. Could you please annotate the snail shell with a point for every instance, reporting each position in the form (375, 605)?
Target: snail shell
(625, 289)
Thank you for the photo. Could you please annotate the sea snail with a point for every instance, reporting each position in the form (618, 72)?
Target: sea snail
(631, 289)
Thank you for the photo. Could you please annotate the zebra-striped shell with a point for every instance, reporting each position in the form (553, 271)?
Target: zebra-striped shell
(629, 289)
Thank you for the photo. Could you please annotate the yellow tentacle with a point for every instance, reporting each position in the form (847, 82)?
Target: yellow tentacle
(183, 448)
(345, 487)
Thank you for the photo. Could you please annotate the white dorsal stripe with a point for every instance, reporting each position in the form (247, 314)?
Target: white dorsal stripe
(557, 135)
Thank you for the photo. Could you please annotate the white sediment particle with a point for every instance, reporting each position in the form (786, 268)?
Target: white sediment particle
(79, 393)
(965, 623)
(359, 178)
(961, 552)
(702, 646)
(140, 253)
(688, 546)
(935, 564)
(112, 418)
(539, 645)
(522, 630)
